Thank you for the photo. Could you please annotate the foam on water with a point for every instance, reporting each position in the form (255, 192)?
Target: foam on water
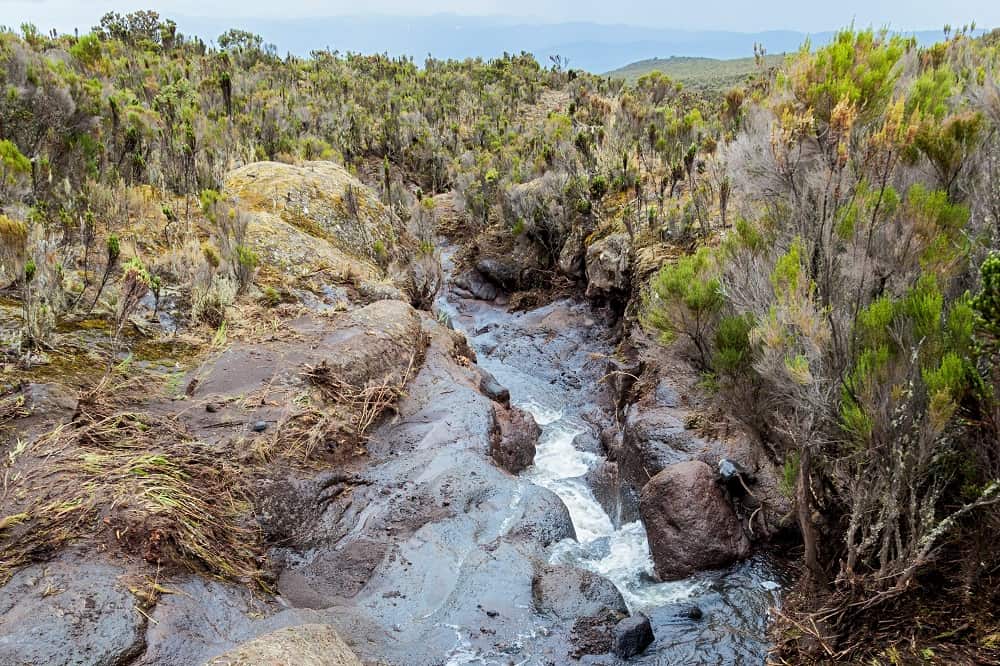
(620, 555)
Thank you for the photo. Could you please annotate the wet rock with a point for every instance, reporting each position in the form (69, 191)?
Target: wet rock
(473, 284)
(492, 389)
(690, 524)
(608, 267)
(651, 440)
(204, 618)
(303, 645)
(545, 519)
(735, 477)
(587, 442)
(612, 442)
(504, 273)
(69, 611)
(260, 426)
(632, 636)
(513, 443)
(691, 612)
(593, 635)
(51, 400)
(605, 482)
(568, 592)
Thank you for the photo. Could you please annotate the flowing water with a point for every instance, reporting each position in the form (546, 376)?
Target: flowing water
(735, 602)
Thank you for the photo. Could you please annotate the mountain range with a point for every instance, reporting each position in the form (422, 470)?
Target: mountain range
(594, 47)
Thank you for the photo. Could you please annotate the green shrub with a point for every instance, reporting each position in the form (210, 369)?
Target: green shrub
(686, 299)
(733, 353)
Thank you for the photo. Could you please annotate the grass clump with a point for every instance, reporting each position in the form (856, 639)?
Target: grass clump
(140, 480)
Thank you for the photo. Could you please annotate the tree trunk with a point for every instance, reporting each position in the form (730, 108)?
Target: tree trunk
(810, 535)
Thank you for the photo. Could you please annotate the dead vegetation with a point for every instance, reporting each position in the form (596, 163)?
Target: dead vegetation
(133, 479)
(341, 425)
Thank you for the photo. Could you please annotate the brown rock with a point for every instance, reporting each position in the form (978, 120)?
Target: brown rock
(512, 445)
(690, 523)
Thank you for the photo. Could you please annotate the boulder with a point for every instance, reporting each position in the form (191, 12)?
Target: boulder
(593, 634)
(512, 445)
(569, 593)
(67, 612)
(608, 266)
(631, 636)
(375, 344)
(473, 284)
(545, 519)
(504, 273)
(303, 645)
(371, 291)
(651, 440)
(689, 522)
(493, 389)
(325, 201)
(618, 502)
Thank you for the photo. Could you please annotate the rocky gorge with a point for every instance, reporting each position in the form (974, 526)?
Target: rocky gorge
(524, 491)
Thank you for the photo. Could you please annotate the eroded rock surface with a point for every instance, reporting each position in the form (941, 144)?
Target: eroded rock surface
(608, 266)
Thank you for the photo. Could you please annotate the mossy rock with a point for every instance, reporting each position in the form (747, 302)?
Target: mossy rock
(322, 201)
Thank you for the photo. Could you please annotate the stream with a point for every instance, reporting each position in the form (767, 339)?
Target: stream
(545, 359)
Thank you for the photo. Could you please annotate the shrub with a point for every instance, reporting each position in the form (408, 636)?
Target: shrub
(685, 299)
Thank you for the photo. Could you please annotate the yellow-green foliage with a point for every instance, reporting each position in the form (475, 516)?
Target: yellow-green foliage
(859, 67)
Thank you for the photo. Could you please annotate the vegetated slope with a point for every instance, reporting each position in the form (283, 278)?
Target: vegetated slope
(708, 74)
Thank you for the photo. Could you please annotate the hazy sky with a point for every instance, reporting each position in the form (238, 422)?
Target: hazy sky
(738, 15)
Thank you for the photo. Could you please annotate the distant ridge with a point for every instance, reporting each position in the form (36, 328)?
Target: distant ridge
(707, 74)
(591, 46)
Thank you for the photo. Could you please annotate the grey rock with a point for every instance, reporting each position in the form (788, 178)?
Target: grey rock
(653, 439)
(569, 593)
(666, 395)
(609, 262)
(473, 283)
(492, 389)
(502, 273)
(69, 611)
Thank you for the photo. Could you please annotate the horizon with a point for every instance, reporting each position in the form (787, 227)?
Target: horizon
(67, 15)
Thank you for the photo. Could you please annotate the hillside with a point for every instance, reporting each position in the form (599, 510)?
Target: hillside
(706, 74)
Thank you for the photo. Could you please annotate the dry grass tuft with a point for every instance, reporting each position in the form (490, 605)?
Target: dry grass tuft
(12, 406)
(343, 423)
(141, 479)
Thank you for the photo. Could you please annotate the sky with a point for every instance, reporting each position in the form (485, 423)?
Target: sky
(735, 15)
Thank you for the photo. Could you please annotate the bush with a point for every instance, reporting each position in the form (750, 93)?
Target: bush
(686, 299)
